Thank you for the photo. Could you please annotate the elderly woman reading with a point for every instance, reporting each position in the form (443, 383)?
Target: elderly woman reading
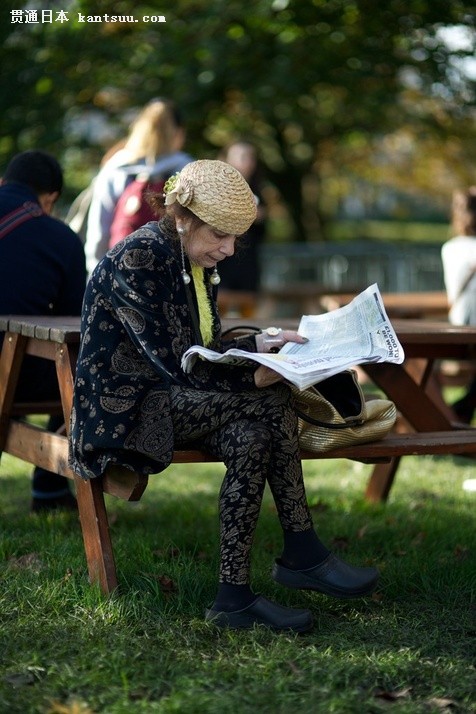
(149, 299)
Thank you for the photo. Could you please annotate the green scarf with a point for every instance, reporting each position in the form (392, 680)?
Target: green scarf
(204, 308)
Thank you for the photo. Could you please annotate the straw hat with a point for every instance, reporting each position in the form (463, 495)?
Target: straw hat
(215, 192)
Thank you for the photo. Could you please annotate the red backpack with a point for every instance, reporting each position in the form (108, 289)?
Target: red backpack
(132, 209)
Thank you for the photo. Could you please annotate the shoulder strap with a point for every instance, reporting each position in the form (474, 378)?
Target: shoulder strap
(465, 283)
(23, 213)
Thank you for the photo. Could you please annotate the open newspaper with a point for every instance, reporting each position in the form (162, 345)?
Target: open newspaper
(357, 333)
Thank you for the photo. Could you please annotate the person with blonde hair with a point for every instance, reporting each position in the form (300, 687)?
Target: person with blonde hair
(153, 146)
(459, 269)
(148, 301)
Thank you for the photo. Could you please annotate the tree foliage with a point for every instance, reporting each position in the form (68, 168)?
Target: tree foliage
(313, 82)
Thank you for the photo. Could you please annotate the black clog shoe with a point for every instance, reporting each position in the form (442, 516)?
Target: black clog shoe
(332, 577)
(262, 612)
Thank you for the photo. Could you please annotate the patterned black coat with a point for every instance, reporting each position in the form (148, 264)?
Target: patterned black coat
(136, 324)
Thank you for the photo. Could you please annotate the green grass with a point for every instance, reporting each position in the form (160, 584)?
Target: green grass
(368, 229)
(65, 649)
(411, 231)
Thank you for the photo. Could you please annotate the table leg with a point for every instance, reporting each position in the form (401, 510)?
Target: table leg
(381, 481)
(409, 395)
(11, 357)
(411, 387)
(90, 494)
(65, 359)
(96, 536)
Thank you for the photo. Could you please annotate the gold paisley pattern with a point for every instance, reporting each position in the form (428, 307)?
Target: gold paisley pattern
(255, 434)
(138, 259)
(121, 401)
(133, 404)
(126, 360)
(133, 317)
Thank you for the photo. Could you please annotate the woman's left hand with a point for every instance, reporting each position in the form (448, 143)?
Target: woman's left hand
(273, 339)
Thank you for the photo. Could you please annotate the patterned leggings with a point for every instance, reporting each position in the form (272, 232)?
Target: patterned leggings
(255, 434)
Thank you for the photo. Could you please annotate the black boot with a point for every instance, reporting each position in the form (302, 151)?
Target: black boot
(464, 408)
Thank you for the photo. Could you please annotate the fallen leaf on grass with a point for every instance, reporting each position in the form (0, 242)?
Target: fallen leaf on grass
(461, 552)
(419, 538)
(340, 542)
(442, 703)
(169, 553)
(319, 507)
(361, 532)
(393, 695)
(29, 676)
(20, 679)
(73, 707)
(167, 585)
(294, 668)
(29, 561)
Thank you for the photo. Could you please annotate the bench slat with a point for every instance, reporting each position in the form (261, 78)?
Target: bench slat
(432, 443)
(37, 446)
(50, 451)
(46, 328)
(409, 444)
(29, 408)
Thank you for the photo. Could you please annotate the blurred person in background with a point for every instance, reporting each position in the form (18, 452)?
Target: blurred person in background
(153, 147)
(241, 273)
(459, 269)
(42, 272)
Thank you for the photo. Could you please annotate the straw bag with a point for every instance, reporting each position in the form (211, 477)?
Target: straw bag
(334, 413)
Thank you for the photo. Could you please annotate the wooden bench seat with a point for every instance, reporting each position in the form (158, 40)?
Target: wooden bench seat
(57, 339)
(36, 445)
(50, 451)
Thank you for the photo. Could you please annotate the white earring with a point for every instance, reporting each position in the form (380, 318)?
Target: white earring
(185, 276)
(214, 277)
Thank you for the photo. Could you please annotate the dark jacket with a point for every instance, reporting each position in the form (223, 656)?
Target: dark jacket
(136, 325)
(42, 264)
(42, 272)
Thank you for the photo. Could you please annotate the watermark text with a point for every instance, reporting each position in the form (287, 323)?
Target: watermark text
(38, 17)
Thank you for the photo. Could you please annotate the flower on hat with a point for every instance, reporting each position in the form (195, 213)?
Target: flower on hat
(179, 189)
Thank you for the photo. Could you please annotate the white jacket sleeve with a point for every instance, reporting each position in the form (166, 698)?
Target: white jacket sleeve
(108, 187)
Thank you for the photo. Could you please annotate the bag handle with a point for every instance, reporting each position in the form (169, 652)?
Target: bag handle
(326, 424)
(465, 284)
(251, 328)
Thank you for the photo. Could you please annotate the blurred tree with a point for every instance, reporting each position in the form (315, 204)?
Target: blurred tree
(308, 80)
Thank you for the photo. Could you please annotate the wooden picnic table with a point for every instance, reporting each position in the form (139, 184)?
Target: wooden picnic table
(424, 342)
(409, 385)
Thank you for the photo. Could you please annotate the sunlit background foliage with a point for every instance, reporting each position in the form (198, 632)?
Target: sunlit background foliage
(358, 108)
